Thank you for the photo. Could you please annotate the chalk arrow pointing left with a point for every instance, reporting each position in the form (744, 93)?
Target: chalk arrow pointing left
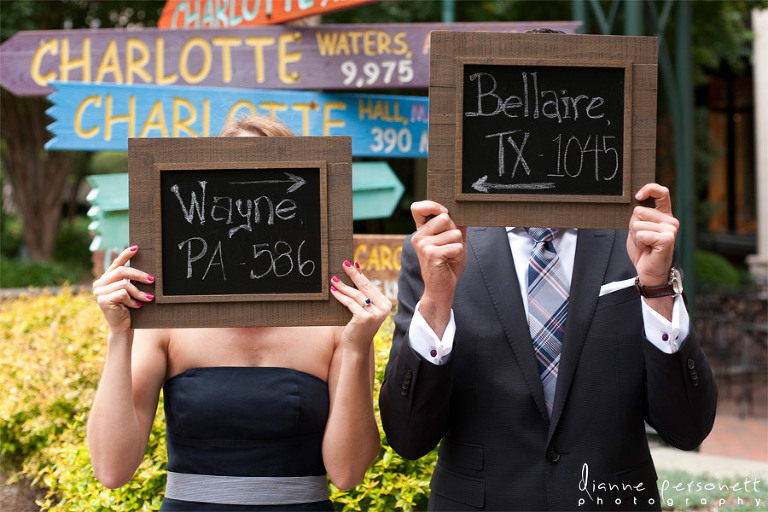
(482, 185)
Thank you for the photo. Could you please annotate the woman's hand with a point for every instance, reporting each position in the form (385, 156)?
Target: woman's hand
(369, 307)
(115, 293)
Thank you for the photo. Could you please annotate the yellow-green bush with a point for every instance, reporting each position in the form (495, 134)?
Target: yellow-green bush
(51, 353)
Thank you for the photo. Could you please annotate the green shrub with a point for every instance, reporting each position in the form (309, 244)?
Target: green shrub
(10, 235)
(107, 162)
(73, 242)
(21, 274)
(714, 271)
(71, 263)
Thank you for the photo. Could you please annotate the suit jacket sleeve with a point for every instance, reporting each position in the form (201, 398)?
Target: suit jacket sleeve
(682, 393)
(415, 396)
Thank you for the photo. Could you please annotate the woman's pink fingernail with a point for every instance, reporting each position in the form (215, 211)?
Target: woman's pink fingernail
(151, 279)
(335, 279)
(347, 263)
(150, 296)
(333, 288)
(139, 304)
(357, 264)
(134, 248)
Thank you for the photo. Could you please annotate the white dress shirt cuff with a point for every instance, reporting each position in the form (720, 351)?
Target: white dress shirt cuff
(667, 335)
(426, 343)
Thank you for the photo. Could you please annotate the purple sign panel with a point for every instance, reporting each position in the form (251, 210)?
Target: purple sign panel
(375, 56)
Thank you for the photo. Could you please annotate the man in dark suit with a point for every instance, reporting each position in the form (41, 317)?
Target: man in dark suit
(463, 368)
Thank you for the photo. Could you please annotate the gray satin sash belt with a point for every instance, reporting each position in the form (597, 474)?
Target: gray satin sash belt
(246, 490)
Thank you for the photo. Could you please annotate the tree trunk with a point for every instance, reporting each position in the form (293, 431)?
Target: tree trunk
(37, 176)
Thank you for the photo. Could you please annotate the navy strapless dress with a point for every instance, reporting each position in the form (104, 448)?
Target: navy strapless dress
(238, 436)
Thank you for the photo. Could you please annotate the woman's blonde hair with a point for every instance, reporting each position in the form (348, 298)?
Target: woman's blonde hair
(257, 125)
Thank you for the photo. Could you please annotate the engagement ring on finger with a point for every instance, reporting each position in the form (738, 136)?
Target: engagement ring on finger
(367, 302)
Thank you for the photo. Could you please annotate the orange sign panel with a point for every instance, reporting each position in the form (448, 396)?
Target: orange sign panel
(245, 13)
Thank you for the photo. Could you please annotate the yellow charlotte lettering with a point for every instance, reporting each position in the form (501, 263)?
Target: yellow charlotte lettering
(110, 119)
(285, 57)
(237, 106)
(273, 107)
(160, 77)
(78, 124)
(258, 43)
(151, 124)
(304, 108)
(184, 60)
(84, 62)
(226, 44)
(179, 124)
(206, 117)
(52, 47)
(110, 63)
(135, 65)
(328, 123)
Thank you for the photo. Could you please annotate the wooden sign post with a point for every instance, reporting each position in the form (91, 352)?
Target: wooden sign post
(242, 231)
(541, 129)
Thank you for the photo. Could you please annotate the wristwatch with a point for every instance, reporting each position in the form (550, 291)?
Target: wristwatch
(673, 288)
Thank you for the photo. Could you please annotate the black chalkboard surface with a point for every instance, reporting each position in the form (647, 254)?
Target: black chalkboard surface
(241, 231)
(542, 129)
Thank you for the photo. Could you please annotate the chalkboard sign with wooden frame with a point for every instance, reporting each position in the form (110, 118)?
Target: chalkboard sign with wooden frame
(240, 231)
(539, 129)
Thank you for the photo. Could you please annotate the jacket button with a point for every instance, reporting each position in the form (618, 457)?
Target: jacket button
(405, 384)
(553, 455)
(691, 364)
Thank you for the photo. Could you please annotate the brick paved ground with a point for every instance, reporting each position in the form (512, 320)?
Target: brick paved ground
(741, 426)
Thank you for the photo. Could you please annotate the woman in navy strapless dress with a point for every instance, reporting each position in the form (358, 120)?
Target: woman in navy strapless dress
(256, 418)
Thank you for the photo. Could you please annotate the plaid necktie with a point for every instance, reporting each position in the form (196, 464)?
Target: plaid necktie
(548, 290)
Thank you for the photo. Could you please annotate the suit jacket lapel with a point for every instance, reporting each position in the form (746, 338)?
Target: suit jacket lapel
(490, 247)
(593, 250)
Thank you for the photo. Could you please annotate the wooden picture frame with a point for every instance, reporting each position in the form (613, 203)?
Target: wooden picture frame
(509, 113)
(240, 231)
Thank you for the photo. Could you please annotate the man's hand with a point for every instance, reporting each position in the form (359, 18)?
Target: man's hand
(442, 251)
(651, 242)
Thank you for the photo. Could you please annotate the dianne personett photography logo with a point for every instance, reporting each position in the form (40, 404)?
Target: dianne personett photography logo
(704, 492)
(599, 494)
(686, 493)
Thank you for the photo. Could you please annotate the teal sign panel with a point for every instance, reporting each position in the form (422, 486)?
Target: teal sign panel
(100, 117)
